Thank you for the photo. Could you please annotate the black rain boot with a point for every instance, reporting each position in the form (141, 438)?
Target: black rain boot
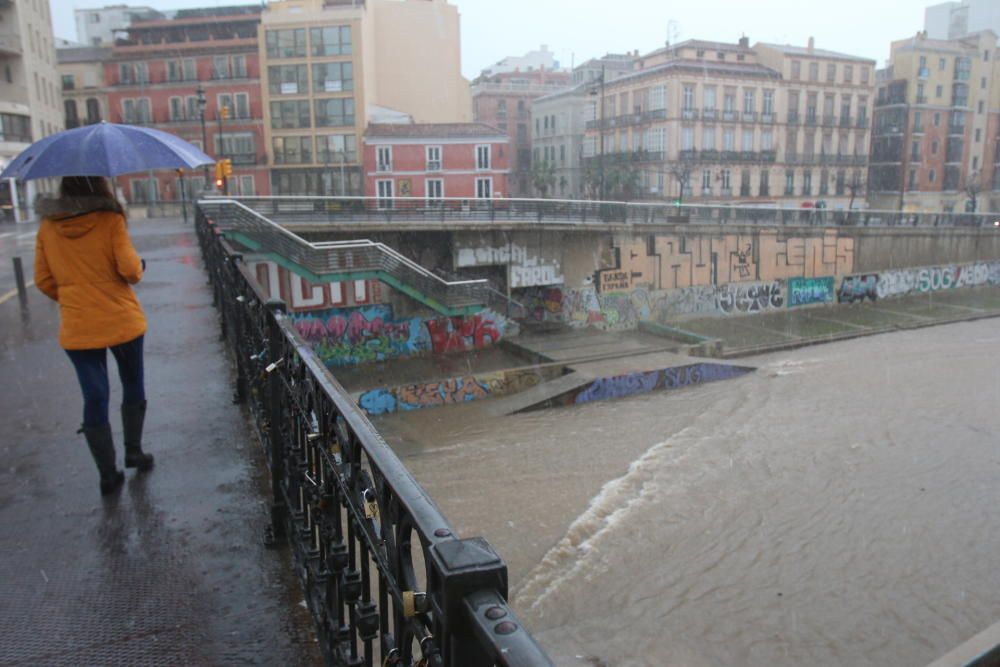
(102, 448)
(133, 415)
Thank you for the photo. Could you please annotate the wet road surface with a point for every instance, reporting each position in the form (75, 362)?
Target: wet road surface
(173, 570)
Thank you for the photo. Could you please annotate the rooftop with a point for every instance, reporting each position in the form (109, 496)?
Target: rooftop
(806, 52)
(433, 130)
(705, 67)
(83, 54)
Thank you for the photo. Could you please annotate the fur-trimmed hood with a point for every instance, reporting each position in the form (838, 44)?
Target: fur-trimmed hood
(72, 214)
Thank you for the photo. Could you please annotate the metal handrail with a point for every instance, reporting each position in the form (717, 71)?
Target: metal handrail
(363, 535)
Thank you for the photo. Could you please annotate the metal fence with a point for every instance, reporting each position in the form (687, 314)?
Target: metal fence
(387, 580)
(323, 210)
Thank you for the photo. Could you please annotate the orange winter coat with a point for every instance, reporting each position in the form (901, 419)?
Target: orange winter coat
(86, 261)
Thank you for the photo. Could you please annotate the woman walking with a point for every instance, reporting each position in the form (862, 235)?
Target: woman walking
(85, 261)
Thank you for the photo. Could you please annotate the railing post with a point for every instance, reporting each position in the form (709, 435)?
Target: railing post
(239, 395)
(276, 531)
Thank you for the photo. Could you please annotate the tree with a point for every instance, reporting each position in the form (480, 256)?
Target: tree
(972, 189)
(543, 176)
(857, 187)
(682, 174)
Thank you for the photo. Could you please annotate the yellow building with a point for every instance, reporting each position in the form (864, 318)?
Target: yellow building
(329, 66)
(717, 122)
(81, 73)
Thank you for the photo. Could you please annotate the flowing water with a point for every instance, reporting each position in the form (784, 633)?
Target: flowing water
(840, 506)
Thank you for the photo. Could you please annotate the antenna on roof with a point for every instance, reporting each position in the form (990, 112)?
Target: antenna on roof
(673, 31)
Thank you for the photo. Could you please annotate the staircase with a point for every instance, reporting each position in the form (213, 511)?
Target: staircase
(345, 260)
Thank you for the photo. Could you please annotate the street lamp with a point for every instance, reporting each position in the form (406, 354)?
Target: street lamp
(600, 128)
(200, 92)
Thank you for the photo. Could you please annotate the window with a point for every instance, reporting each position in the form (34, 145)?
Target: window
(688, 100)
(937, 120)
(290, 114)
(658, 98)
(286, 43)
(484, 188)
(807, 183)
(766, 140)
(725, 180)
(960, 95)
(68, 82)
(238, 68)
(747, 140)
(728, 139)
(336, 148)
(980, 107)
(434, 190)
(942, 64)
(245, 186)
(287, 79)
(240, 146)
(331, 41)
(709, 97)
(190, 69)
(768, 103)
(931, 175)
(72, 120)
(978, 135)
(433, 158)
(144, 190)
(220, 67)
(292, 150)
(789, 181)
(335, 112)
(765, 185)
(934, 147)
(141, 73)
(242, 107)
(918, 121)
(93, 110)
(333, 77)
(864, 75)
(982, 83)
(814, 71)
(383, 158)
(911, 181)
(176, 108)
(848, 74)
(656, 140)
(939, 91)
(562, 154)
(383, 193)
(745, 183)
(687, 138)
(483, 157)
(708, 138)
(963, 69)
(729, 100)
(748, 101)
(831, 72)
(915, 151)
(796, 70)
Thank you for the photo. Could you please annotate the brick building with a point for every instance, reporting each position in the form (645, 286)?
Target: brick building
(435, 160)
(937, 125)
(154, 76)
(503, 101)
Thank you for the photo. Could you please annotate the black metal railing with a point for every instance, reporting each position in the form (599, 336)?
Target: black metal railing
(386, 579)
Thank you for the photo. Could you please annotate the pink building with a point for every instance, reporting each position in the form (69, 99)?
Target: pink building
(435, 160)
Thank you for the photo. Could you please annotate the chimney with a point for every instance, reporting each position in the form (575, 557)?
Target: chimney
(745, 42)
(812, 44)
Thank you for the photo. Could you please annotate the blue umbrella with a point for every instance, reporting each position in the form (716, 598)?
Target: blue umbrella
(104, 149)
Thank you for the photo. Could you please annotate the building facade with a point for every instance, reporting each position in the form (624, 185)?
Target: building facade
(504, 101)
(158, 71)
(558, 123)
(435, 161)
(728, 123)
(97, 26)
(329, 66)
(952, 20)
(81, 74)
(30, 99)
(936, 124)
(530, 61)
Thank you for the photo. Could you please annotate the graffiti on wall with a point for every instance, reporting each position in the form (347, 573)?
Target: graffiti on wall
(346, 337)
(678, 261)
(530, 265)
(630, 384)
(386, 400)
(752, 298)
(540, 304)
(858, 288)
(805, 291)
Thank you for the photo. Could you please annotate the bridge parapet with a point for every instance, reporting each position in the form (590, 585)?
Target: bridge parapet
(386, 578)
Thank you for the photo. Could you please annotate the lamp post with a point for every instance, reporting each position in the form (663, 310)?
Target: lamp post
(200, 92)
(600, 129)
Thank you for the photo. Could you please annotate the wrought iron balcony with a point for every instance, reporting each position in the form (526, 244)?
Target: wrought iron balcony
(689, 114)
(730, 116)
(793, 118)
(769, 117)
(749, 116)
(709, 114)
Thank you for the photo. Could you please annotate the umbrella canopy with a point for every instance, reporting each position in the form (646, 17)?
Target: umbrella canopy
(104, 149)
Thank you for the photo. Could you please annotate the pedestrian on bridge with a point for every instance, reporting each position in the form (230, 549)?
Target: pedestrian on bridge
(85, 260)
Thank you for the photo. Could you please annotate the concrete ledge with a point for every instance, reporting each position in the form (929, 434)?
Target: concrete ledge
(983, 650)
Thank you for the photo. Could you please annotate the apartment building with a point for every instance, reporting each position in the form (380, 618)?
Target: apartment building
(97, 26)
(952, 20)
(936, 123)
(30, 99)
(81, 74)
(177, 75)
(504, 100)
(331, 65)
(433, 161)
(558, 123)
(730, 123)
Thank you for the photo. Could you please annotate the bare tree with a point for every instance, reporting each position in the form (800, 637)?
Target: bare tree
(682, 174)
(856, 186)
(973, 187)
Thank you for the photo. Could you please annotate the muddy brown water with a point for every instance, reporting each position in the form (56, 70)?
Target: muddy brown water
(840, 506)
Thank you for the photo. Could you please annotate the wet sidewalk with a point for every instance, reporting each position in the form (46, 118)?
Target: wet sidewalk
(172, 570)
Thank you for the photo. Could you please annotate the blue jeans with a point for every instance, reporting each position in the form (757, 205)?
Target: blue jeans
(92, 371)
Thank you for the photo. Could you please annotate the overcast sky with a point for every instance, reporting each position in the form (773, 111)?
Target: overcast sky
(579, 29)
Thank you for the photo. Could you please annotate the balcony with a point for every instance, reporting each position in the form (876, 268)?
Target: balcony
(726, 192)
(918, 129)
(793, 117)
(811, 119)
(383, 166)
(829, 120)
(958, 130)
(10, 45)
(744, 190)
(433, 165)
(749, 116)
(862, 121)
(845, 121)
(688, 154)
(653, 115)
(689, 114)
(923, 73)
(921, 99)
(729, 116)
(768, 117)
(243, 158)
(709, 114)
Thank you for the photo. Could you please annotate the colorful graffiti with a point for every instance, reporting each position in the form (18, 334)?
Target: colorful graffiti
(805, 291)
(346, 337)
(749, 298)
(858, 288)
(630, 384)
(678, 261)
(462, 334)
(541, 304)
(530, 264)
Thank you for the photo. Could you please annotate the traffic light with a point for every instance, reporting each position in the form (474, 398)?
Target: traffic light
(219, 183)
(677, 203)
(224, 112)
(227, 167)
(219, 171)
